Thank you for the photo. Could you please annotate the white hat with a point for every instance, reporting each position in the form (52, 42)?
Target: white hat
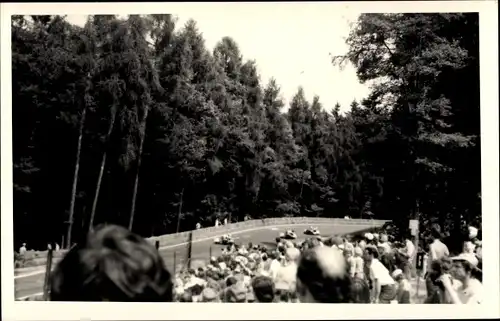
(397, 273)
(369, 236)
(471, 258)
(472, 232)
(375, 235)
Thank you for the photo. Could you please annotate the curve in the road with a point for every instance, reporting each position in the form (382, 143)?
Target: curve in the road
(175, 256)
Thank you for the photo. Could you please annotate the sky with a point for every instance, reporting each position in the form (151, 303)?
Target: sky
(291, 45)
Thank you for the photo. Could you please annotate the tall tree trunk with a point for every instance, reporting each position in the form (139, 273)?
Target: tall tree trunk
(180, 211)
(101, 172)
(75, 177)
(139, 160)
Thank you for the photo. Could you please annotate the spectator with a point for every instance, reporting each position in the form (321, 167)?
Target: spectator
(357, 264)
(409, 253)
(274, 265)
(323, 276)
(471, 289)
(112, 264)
(209, 295)
(437, 250)
(236, 293)
(360, 291)
(368, 240)
(479, 253)
(186, 297)
(383, 285)
(404, 287)
(436, 293)
(22, 249)
(386, 257)
(263, 288)
(384, 243)
(286, 276)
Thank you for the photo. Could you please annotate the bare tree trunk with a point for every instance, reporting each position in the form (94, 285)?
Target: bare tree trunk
(180, 211)
(75, 177)
(101, 172)
(139, 160)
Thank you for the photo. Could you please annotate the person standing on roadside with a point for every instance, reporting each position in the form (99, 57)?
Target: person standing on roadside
(409, 252)
(437, 251)
(22, 249)
(383, 285)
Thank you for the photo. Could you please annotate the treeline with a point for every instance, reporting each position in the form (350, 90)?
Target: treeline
(135, 122)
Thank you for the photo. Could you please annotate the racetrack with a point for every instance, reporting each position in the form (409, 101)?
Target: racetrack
(176, 255)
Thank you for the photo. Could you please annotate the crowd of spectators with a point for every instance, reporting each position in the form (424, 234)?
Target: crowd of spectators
(117, 265)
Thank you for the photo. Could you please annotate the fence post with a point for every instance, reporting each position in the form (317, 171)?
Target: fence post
(175, 261)
(157, 245)
(210, 253)
(190, 248)
(48, 268)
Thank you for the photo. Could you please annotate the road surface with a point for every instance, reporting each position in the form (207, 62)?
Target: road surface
(175, 256)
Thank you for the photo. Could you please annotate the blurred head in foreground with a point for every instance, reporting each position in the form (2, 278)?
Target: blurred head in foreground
(263, 288)
(322, 276)
(112, 264)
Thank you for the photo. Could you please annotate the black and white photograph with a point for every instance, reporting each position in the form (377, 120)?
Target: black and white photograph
(260, 153)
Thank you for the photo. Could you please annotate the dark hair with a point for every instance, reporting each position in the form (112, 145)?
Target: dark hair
(372, 251)
(230, 281)
(323, 287)
(263, 288)
(476, 273)
(112, 264)
(436, 231)
(282, 296)
(360, 291)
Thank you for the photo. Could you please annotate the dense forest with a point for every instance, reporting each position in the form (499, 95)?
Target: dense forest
(135, 122)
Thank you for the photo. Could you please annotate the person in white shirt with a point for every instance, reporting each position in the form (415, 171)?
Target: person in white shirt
(274, 266)
(358, 264)
(471, 288)
(409, 254)
(383, 285)
(217, 222)
(225, 221)
(22, 249)
(384, 243)
(437, 250)
(285, 279)
(404, 287)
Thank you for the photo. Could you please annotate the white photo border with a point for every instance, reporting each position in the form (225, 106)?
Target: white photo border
(35, 310)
